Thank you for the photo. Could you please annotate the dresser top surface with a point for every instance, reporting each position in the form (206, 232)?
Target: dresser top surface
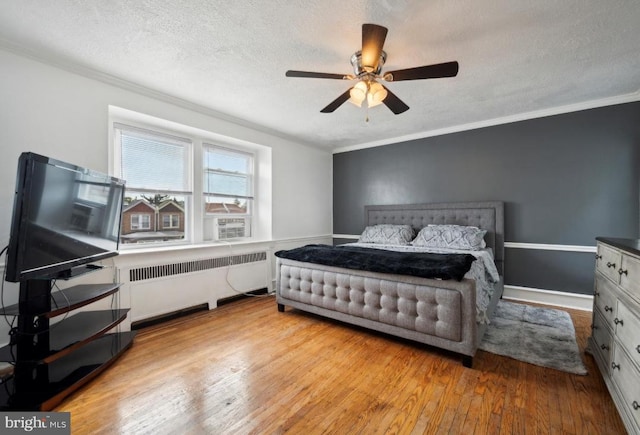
(630, 245)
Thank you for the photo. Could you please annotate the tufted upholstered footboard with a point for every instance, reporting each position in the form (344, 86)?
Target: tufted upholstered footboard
(440, 313)
(430, 311)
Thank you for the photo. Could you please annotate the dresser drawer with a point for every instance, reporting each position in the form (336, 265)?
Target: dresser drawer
(628, 332)
(605, 299)
(630, 275)
(603, 339)
(608, 262)
(627, 379)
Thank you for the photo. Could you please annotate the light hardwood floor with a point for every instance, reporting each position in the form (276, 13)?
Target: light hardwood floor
(245, 368)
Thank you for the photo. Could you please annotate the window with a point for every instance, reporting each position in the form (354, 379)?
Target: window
(193, 186)
(170, 221)
(157, 170)
(228, 190)
(140, 222)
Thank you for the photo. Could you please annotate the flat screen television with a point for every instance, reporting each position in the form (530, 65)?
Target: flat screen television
(64, 218)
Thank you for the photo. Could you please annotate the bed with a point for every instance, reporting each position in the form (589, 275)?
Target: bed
(450, 314)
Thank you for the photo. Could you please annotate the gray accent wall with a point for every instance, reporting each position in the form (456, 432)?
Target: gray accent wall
(565, 180)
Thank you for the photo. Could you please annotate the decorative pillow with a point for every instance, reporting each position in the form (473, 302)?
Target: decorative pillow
(451, 236)
(387, 234)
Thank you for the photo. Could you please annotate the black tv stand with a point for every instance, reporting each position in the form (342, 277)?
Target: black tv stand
(53, 360)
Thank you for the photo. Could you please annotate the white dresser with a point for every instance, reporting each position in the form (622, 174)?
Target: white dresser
(615, 338)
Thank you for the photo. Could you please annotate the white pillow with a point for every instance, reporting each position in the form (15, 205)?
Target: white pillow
(451, 236)
(387, 234)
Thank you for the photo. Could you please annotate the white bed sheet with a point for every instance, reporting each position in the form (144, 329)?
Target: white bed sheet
(483, 271)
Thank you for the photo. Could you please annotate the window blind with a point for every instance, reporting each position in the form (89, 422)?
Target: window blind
(227, 173)
(152, 161)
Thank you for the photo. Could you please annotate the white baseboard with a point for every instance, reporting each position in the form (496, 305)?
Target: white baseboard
(549, 297)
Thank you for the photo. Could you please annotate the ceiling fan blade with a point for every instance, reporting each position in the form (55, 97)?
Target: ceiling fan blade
(395, 104)
(315, 75)
(447, 69)
(373, 37)
(337, 102)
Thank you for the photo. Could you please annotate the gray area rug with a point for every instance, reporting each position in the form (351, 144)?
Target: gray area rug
(541, 336)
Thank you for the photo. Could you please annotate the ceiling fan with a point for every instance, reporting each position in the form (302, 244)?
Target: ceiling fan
(367, 65)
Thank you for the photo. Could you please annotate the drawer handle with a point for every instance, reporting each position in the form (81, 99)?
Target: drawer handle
(604, 347)
(623, 272)
(594, 327)
(608, 308)
(618, 321)
(638, 348)
(609, 264)
(598, 257)
(635, 405)
(615, 366)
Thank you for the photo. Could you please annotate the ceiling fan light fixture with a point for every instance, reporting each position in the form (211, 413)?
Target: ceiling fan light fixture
(376, 95)
(358, 93)
(367, 65)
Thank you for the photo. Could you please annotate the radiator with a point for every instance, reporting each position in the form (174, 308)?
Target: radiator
(160, 289)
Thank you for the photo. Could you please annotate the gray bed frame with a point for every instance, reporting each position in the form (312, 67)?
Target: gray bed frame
(440, 313)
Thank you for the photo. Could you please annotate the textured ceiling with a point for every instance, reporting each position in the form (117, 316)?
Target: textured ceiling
(516, 57)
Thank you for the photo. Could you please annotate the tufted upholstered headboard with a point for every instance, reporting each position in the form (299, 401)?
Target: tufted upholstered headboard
(487, 215)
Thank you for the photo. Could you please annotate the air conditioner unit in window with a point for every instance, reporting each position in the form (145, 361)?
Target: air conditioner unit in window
(225, 228)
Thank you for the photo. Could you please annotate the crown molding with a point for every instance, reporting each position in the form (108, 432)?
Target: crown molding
(91, 73)
(592, 104)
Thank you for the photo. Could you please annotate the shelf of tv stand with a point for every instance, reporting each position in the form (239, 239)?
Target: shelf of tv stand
(67, 374)
(70, 334)
(69, 299)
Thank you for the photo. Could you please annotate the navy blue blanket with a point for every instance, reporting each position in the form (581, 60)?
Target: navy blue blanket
(425, 265)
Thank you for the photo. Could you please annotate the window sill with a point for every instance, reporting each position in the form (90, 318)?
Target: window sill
(190, 247)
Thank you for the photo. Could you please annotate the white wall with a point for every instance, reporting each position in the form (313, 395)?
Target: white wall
(60, 114)
(63, 115)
